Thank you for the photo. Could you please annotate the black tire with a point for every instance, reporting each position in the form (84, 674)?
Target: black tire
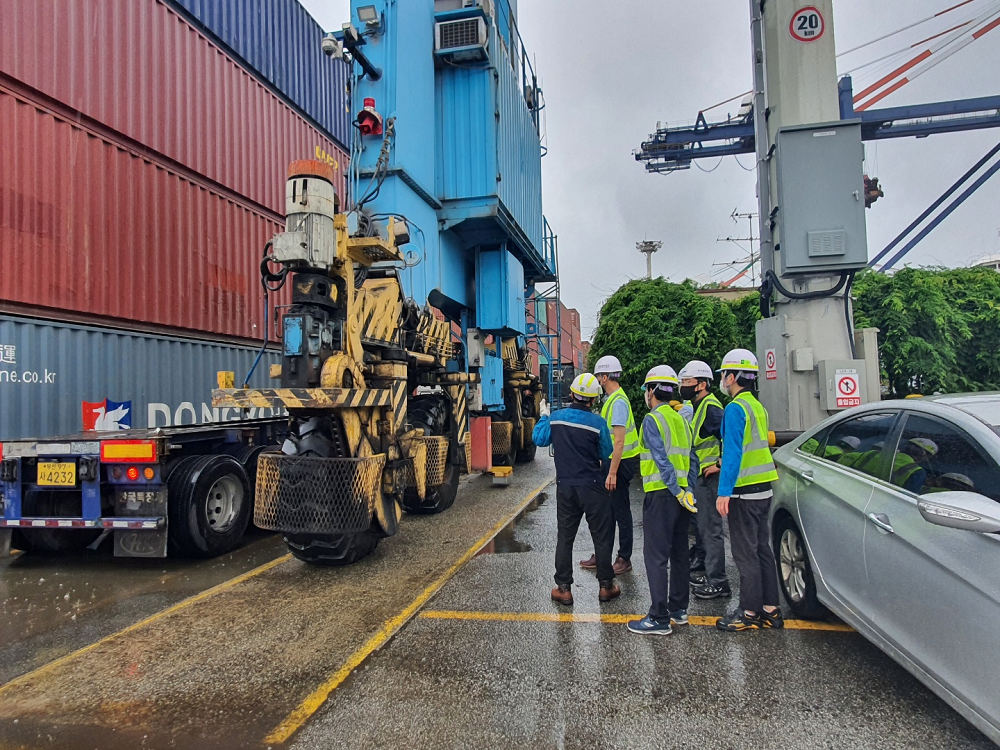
(527, 454)
(332, 549)
(247, 455)
(438, 499)
(794, 571)
(55, 541)
(433, 414)
(196, 526)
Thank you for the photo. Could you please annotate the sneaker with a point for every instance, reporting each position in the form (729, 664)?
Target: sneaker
(562, 594)
(648, 626)
(737, 621)
(590, 563)
(608, 591)
(699, 579)
(772, 619)
(708, 591)
(680, 617)
(621, 566)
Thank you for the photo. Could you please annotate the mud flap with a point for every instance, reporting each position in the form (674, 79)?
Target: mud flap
(136, 542)
(5, 537)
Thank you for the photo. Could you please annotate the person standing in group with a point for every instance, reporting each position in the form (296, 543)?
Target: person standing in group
(623, 462)
(706, 438)
(580, 441)
(745, 496)
(666, 510)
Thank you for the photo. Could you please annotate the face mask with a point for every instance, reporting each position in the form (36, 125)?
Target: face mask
(688, 392)
(645, 396)
(724, 385)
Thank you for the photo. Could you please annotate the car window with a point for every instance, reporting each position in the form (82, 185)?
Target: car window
(859, 443)
(934, 456)
(813, 444)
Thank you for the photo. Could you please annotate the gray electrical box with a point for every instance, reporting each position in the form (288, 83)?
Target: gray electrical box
(821, 198)
(842, 384)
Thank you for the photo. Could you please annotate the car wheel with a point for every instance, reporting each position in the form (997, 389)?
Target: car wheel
(208, 505)
(795, 571)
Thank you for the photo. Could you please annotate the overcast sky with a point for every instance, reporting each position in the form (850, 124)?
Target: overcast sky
(610, 71)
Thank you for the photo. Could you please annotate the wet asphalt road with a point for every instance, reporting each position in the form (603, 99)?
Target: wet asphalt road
(224, 671)
(450, 682)
(227, 670)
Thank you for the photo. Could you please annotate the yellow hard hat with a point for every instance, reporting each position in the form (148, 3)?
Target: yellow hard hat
(585, 385)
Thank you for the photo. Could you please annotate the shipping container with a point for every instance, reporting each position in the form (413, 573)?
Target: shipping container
(92, 227)
(280, 41)
(55, 375)
(143, 70)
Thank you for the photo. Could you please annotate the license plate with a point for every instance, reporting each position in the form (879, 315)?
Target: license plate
(51, 474)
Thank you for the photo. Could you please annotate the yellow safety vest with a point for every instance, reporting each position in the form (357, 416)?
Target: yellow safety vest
(708, 450)
(678, 449)
(757, 465)
(631, 449)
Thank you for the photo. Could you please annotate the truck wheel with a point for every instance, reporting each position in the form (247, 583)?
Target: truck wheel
(247, 455)
(54, 541)
(208, 505)
(332, 549)
(438, 499)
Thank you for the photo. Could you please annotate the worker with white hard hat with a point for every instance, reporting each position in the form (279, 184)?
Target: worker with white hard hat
(623, 462)
(580, 442)
(745, 495)
(706, 441)
(667, 507)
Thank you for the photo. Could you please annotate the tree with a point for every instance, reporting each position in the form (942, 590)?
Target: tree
(654, 322)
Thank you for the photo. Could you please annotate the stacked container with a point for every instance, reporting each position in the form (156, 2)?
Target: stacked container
(142, 171)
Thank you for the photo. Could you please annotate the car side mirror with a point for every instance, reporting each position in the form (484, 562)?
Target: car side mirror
(969, 511)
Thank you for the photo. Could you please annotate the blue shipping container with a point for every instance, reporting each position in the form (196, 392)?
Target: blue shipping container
(49, 369)
(280, 41)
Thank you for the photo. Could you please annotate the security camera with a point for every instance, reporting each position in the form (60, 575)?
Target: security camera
(332, 48)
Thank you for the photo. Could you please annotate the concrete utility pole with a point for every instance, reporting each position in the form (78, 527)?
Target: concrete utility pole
(812, 231)
(648, 247)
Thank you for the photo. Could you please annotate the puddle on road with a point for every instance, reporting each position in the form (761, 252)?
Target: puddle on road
(506, 541)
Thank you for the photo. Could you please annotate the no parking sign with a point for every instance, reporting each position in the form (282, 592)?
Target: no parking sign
(848, 389)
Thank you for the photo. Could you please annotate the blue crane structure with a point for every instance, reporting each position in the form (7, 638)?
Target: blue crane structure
(674, 148)
(405, 349)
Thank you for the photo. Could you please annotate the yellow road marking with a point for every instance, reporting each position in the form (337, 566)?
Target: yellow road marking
(606, 619)
(294, 721)
(55, 664)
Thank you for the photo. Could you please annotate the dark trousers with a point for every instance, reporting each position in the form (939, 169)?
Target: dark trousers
(665, 549)
(698, 548)
(750, 538)
(621, 505)
(572, 503)
(713, 536)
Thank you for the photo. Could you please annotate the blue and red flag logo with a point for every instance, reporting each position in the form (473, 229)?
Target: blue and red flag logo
(107, 415)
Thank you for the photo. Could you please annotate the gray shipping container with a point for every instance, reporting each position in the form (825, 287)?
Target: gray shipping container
(49, 369)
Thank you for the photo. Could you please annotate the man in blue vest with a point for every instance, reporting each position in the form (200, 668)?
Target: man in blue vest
(745, 496)
(580, 441)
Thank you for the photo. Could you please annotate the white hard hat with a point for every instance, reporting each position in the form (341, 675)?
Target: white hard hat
(959, 479)
(661, 374)
(696, 369)
(585, 385)
(928, 445)
(850, 441)
(609, 364)
(742, 360)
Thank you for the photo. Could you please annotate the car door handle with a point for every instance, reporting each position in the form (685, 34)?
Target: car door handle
(882, 521)
(807, 476)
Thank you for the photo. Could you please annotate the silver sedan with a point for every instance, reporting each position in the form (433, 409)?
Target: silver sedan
(888, 515)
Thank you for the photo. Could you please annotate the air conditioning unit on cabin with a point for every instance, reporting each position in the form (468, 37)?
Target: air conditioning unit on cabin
(463, 40)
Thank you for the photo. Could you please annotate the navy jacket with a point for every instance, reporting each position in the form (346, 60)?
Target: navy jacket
(579, 439)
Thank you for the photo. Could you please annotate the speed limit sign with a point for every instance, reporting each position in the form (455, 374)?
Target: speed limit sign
(807, 24)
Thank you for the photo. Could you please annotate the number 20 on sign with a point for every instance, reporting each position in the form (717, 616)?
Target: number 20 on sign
(807, 24)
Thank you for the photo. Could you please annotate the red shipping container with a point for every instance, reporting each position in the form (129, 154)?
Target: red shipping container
(139, 68)
(91, 225)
